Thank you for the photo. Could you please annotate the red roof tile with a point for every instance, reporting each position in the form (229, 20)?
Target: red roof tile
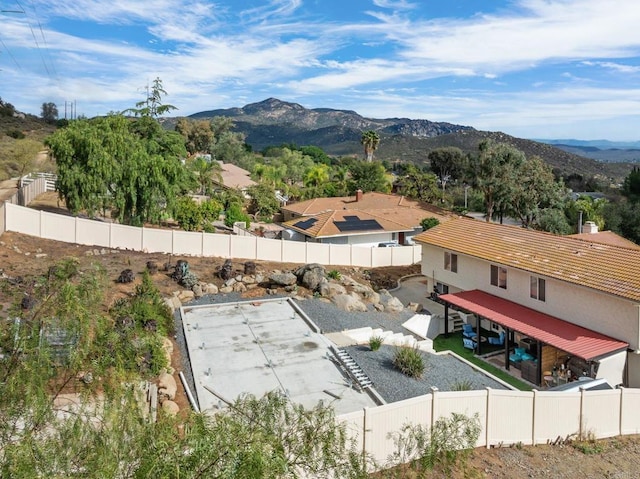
(569, 337)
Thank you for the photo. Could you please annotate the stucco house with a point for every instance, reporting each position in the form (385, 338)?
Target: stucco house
(568, 302)
(366, 219)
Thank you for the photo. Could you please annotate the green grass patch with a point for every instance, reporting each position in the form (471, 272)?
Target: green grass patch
(454, 343)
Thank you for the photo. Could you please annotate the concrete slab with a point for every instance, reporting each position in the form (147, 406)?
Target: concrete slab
(254, 347)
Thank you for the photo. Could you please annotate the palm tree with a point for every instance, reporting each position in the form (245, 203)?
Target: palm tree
(370, 139)
(207, 172)
(317, 175)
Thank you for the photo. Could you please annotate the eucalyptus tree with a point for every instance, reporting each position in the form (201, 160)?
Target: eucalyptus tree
(370, 140)
(152, 106)
(494, 172)
(447, 163)
(417, 184)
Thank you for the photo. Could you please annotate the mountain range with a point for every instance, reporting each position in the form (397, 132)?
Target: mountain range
(338, 132)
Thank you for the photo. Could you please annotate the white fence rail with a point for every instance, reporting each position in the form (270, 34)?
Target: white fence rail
(506, 417)
(110, 235)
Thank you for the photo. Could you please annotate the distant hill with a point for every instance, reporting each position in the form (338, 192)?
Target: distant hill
(609, 155)
(338, 132)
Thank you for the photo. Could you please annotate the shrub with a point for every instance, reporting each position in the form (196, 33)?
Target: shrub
(409, 361)
(428, 223)
(375, 342)
(334, 274)
(17, 134)
(448, 442)
(463, 385)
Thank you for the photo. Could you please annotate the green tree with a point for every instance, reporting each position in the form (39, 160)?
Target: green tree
(591, 209)
(22, 156)
(264, 203)
(197, 134)
(234, 213)
(417, 184)
(535, 189)
(152, 105)
(316, 176)
(448, 164)
(130, 167)
(494, 171)
(553, 220)
(207, 173)
(631, 185)
(49, 112)
(368, 177)
(428, 223)
(370, 140)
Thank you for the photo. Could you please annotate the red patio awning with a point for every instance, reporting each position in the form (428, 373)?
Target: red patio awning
(575, 340)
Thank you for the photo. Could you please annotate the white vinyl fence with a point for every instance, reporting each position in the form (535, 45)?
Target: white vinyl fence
(72, 229)
(506, 417)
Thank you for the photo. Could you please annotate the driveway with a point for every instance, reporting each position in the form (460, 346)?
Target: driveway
(414, 290)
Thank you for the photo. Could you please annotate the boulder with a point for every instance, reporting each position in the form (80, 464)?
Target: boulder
(311, 275)
(239, 288)
(170, 408)
(197, 290)
(226, 289)
(349, 302)
(283, 279)
(249, 268)
(186, 295)
(173, 303)
(210, 288)
(328, 289)
(248, 279)
(226, 271)
(365, 292)
(230, 282)
(126, 276)
(394, 305)
(167, 386)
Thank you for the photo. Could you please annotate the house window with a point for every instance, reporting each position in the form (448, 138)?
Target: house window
(537, 290)
(499, 276)
(441, 288)
(450, 262)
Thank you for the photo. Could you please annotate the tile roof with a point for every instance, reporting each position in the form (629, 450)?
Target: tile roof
(394, 213)
(325, 224)
(569, 337)
(607, 237)
(607, 268)
(235, 177)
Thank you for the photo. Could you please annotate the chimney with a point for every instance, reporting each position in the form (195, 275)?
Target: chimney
(590, 227)
(359, 195)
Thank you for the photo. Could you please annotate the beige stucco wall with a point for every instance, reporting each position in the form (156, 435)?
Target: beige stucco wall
(605, 313)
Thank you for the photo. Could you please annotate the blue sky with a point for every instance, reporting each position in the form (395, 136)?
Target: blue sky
(529, 68)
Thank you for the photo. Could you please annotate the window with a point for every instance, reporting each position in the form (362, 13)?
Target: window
(441, 288)
(537, 288)
(499, 276)
(450, 262)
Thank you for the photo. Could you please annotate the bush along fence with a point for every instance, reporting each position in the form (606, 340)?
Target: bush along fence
(505, 417)
(76, 230)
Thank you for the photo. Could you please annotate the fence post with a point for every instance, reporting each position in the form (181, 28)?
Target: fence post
(434, 390)
(488, 413)
(533, 418)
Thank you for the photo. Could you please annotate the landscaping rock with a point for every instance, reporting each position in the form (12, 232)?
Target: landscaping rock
(311, 276)
(186, 296)
(210, 288)
(283, 279)
(197, 291)
(167, 386)
(239, 288)
(349, 302)
(173, 303)
(226, 271)
(169, 407)
(226, 289)
(126, 276)
(249, 268)
(329, 289)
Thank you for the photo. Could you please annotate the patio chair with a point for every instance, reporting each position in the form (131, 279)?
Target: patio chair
(468, 331)
(519, 355)
(499, 341)
(469, 343)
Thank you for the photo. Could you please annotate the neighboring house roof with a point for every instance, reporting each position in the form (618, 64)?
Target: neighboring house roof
(235, 177)
(367, 213)
(345, 222)
(607, 237)
(569, 337)
(607, 268)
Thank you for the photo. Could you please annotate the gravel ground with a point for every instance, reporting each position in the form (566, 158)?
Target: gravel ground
(444, 372)
(441, 371)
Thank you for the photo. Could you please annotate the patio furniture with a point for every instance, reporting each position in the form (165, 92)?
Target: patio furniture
(468, 331)
(499, 341)
(469, 343)
(519, 355)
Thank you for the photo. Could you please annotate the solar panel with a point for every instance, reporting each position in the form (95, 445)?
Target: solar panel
(306, 224)
(358, 225)
(351, 218)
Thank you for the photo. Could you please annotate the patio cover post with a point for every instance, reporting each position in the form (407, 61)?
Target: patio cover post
(507, 346)
(539, 364)
(478, 335)
(446, 320)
